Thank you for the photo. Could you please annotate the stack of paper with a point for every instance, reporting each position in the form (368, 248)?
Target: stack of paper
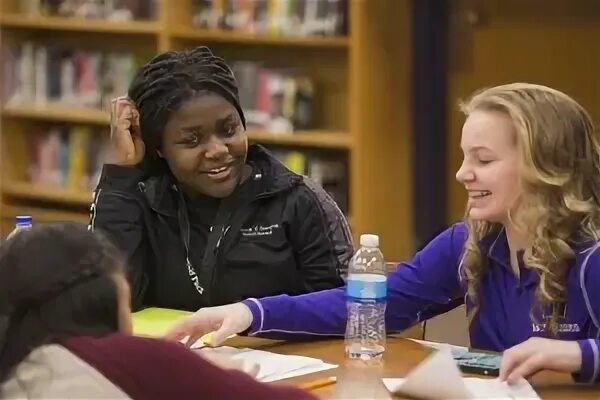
(274, 366)
(438, 345)
(438, 377)
(157, 321)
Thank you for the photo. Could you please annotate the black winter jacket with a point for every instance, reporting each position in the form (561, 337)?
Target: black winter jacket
(279, 233)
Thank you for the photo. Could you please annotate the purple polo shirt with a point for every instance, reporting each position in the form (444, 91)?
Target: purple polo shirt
(429, 285)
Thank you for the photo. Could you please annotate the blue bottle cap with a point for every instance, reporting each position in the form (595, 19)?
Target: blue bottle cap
(23, 219)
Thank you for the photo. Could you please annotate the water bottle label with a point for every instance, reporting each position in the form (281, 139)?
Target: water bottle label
(366, 286)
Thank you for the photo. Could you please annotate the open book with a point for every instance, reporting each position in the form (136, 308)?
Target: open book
(438, 377)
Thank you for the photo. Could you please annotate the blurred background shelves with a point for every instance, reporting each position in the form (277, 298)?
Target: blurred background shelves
(78, 24)
(30, 191)
(220, 36)
(307, 85)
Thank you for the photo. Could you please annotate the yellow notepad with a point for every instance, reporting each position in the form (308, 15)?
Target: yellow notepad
(155, 321)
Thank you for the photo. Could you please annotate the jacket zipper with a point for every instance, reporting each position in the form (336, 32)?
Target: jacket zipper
(213, 278)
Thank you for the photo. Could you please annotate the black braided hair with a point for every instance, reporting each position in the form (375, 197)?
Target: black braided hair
(165, 82)
(56, 281)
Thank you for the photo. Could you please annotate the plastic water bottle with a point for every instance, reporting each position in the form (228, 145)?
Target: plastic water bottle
(366, 291)
(22, 222)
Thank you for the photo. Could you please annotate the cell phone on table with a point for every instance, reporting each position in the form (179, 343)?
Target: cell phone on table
(479, 363)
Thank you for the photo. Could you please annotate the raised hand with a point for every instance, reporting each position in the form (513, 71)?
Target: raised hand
(126, 147)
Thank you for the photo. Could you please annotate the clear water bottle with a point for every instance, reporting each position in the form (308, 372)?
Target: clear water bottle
(22, 222)
(366, 291)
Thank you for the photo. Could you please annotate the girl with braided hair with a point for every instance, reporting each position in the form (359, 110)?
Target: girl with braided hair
(203, 218)
(65, 330)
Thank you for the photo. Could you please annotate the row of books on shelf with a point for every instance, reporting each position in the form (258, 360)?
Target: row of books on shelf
(273, 17)
(114, 10)
(38, 74)
(328, 169)
(70, 157)
(66, 156)
(274, 99)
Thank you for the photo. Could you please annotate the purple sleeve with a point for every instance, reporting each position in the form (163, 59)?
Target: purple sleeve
(280, 316)
(590, 358)
(589, 279)
(426, 286)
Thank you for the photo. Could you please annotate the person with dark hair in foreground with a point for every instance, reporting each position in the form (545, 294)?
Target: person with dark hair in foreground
(205, 219)
(65, 325)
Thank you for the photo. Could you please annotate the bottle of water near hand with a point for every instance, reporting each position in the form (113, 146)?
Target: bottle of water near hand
(22, 222)
(366, 292)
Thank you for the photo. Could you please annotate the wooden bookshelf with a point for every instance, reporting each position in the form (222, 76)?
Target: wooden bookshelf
(61, 113)
(28, 191)
(58, 113)
(40, 214)
(316, 139)
(43, 214)
(363, 106)
(218, 36)
(78, 24)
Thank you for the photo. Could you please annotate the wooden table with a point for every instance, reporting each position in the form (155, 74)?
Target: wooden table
(355, 381)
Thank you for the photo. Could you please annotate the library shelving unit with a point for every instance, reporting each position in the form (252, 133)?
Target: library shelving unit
(362, 104)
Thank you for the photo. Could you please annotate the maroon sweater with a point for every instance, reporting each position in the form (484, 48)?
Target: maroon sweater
(146, 368)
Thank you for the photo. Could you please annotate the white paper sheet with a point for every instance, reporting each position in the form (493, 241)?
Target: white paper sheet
(273, 366)
(438, 345)
(438, 377)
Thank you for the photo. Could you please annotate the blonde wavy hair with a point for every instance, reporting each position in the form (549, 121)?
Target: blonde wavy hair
(559, 168)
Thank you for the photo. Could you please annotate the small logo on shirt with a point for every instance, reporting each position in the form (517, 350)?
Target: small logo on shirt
(193, 276)
(563, 327)
(259, 230)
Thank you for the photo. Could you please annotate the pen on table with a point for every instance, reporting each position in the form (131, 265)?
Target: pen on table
(319, 383)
